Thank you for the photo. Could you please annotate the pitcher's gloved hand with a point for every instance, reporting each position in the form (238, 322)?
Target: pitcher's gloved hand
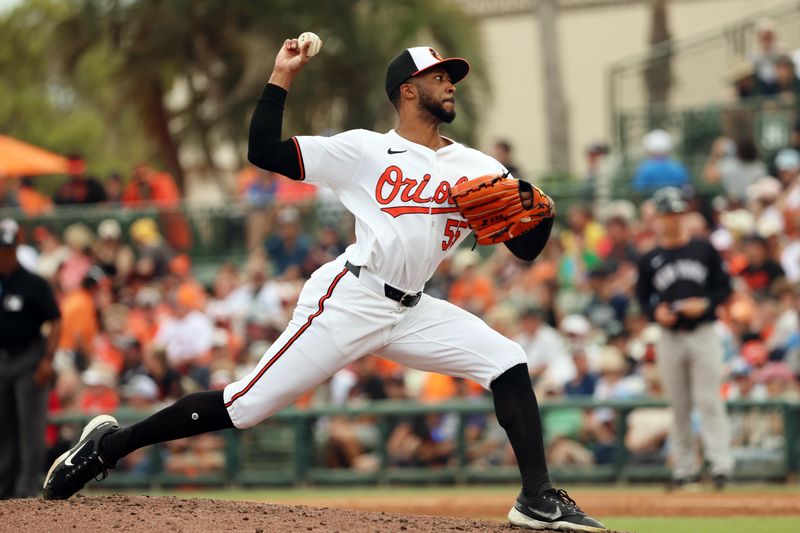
(499, 208)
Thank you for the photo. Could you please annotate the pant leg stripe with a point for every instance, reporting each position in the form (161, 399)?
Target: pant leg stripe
(286, 346)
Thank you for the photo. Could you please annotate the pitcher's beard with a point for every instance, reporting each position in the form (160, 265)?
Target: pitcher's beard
(436, 109)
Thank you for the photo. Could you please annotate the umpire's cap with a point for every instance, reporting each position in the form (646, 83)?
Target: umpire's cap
(670, 200)
(413, 61)
(9, 230)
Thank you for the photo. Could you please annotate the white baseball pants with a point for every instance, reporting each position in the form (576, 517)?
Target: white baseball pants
(339, 318)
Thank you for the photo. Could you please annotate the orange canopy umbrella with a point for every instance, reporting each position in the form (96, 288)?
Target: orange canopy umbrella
(18, 158)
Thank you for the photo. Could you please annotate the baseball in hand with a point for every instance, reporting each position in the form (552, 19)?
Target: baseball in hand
(316, 42)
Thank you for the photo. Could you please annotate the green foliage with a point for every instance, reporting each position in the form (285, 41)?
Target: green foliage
(130, 80)
(40, 105)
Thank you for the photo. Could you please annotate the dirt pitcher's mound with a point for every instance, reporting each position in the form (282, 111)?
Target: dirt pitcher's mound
(154, 514)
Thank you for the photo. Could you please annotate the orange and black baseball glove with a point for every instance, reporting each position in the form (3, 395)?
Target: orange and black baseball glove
(493, 207)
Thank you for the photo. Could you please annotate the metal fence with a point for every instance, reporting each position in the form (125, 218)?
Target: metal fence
(285, 450)
(699, 65)
(701, 104)
(221, 232)
(694, 129)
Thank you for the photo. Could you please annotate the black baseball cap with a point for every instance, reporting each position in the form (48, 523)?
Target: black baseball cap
(670, 200)
(9, 230)
(413, 61)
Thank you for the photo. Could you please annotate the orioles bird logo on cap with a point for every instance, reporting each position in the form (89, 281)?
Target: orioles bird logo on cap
(435, 54)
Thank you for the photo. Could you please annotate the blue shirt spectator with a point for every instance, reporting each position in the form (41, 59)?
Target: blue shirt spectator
(584, 381)
(289, 246)
(659, 169)
(657, 172)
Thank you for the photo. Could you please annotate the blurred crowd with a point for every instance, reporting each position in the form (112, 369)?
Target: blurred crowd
(145, 187)
(140, 330)
(771, 72)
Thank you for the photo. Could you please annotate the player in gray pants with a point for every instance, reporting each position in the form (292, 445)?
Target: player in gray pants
(681, 283)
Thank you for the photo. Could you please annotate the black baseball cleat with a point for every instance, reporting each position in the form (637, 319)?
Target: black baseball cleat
(75, 467)
(553, 509)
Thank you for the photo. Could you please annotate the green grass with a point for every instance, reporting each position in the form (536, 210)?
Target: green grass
(778, 524)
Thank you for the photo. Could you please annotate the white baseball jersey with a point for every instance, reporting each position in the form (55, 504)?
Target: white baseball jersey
(405, 225)
(390, 184)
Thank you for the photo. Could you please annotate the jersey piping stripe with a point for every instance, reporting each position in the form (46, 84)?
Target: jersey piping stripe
(290, 341)
(300, 159)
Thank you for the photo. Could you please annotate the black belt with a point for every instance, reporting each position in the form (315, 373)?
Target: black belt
(407, 299)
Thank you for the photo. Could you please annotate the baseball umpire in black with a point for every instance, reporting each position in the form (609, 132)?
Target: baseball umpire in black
(26, 368)
(681, 283)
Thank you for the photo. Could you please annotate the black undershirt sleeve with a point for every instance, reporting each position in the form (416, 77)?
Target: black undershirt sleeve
(530, 244)
(265, 147)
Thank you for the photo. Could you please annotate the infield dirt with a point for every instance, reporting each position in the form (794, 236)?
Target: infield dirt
(166, 513)
(151, 514)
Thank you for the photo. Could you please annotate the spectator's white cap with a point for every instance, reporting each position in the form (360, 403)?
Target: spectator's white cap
(765, 188)
(740, 222)
(788, 159)
(576, 325)
(463, 260)
(220, 338)
(722, 239)
(719, 203)
(98, 376)
(765, 25)
(611, 360)
(651, 334)
(740, 70)
(220, 379)
(109, 229)
(768, 226)
(657, 142)
(78, 236)
(141, 387)
(623, 209)
(148, 296)
(289, 215)
(636, 349)
(9, 231)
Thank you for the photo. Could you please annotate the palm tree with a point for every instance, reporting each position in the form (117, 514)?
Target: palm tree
(219, 52)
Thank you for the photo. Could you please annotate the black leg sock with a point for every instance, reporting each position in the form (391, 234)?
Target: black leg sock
(193, 414)
(518, 413)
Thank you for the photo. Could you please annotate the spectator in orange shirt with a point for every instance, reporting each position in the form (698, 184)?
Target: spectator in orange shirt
(471, 290)
(180, 267)
(31, 201)
(761, 270)
(79, 318)
(148, 187)
(99, 395)
(151, 188)
(75, 267)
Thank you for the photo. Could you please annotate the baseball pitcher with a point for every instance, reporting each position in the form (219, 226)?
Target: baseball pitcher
(414, 201)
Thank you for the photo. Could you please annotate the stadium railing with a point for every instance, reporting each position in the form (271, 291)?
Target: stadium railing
(285, 451)
(769, 123)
